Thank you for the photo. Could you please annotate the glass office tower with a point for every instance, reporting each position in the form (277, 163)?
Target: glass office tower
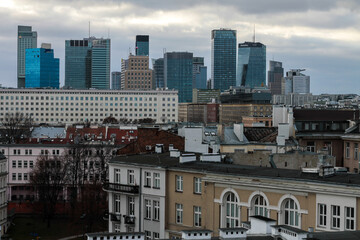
(178, 73)
(87, 63)
(26, 39)
(199, 73)
(116, 80)
(41, 68)
(223, 58)
(251, 65)
(275, 74)
(142, 45)
(158, 75)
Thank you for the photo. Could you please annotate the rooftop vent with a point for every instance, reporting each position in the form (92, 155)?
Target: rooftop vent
(159, 148)
(210, 157)
(184, 158)
(174, 153)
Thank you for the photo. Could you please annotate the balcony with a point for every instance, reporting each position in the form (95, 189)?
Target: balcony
(130, 220)
(115, 217)
(123, 188)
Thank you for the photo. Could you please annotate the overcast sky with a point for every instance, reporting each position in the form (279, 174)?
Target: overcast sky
(322, 36)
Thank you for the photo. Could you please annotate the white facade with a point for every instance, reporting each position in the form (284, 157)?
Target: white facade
(144, 189)
(3, 199)
(72, 106)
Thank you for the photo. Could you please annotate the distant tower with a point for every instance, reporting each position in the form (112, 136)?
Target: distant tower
(223, 58)
(158, 72)
(142, 45)
(295, 82)
(275, 74)
(199, 73)
(251, 71)
(26, 39)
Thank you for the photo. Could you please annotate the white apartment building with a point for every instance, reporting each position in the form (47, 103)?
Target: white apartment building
(72, 106)
(136, 199)
(3, 199)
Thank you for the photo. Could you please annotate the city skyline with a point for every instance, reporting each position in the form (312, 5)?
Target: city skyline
(320, 37)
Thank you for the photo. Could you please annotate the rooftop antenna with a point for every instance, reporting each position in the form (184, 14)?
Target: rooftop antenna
(254, 34)
(108, 32)
(89, 29)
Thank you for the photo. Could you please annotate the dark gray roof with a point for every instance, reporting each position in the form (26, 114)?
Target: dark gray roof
(165, 161)
(263, 218)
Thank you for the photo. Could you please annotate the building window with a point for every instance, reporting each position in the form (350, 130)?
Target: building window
(157, 180)
(13, 177)
(322, 215)
(148, 209)
(335, 216)
(232, 211)
(117, 175)
(179, 213)
(356, 151)
(147, 179)
(310, 146)
(31, 164)
(179, 183)
(347, 150)
(349, 218)
(20, 176)
(156, 235)
(197, 216)
(197, 185)
(259, 206)
(131, 177)
(13, 164)
(117, 227)
(156, 210)
(291, 215)
(148, 235)
(117, 203)
(131, 206)
(25, 164)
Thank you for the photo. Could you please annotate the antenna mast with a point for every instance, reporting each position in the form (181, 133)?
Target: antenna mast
(89, 29)
(254, 34)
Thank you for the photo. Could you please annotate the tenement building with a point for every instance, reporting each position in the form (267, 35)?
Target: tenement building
(73, 106)
(204, 192)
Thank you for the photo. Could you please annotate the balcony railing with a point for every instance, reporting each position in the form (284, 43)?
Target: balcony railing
(115, 217)
(116, 187)
(129, 220)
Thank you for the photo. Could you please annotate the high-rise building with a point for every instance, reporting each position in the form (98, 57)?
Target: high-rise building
(26, 39)
(41, 68)
(295, 82)
(87, 63)
(223, 58)
(136, 74)
(275, 74)
(178, 73)
(116, 80)
(142, 45)
(251, 64)
(199, 73)
(158, 72)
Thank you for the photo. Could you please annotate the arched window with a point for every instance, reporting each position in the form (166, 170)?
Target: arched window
(290, 213)
(259, 206)
(232, 211)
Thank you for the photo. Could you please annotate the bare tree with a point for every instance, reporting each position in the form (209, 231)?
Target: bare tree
(15, 126)
(110, 119)
(48, 178)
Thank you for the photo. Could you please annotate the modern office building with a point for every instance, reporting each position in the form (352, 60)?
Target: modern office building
(87, 63)
(116, 80)
(251, 71)
(199, 73)
(142, 45)
(178, 73)
(54, 106)
(295, 82)
(158, 72)
(223, 58)
(136, 73)
(26, 39)
(275, 74)
(206, 95)
(41, 68)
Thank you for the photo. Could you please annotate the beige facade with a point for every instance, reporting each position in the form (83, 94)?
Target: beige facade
(137, 75)
(233, 113)
(351, 152)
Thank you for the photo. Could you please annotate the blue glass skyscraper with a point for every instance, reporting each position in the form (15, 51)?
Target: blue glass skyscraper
(199, 73)
(223, 58)
(251, 64)
(142, 45)
(158, 68)
(41, 68)
(100, 63)
(178, 73)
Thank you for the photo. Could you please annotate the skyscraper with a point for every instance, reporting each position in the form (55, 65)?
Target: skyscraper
(295, 82)
(199, 73)
(178, 73)
(251, 64)
(223, 58)
(142, 45)
(41, 68)
(87, 63)
(158, 72)
(275, 74)
(137, 74)
(26, 39)
(116, 80)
